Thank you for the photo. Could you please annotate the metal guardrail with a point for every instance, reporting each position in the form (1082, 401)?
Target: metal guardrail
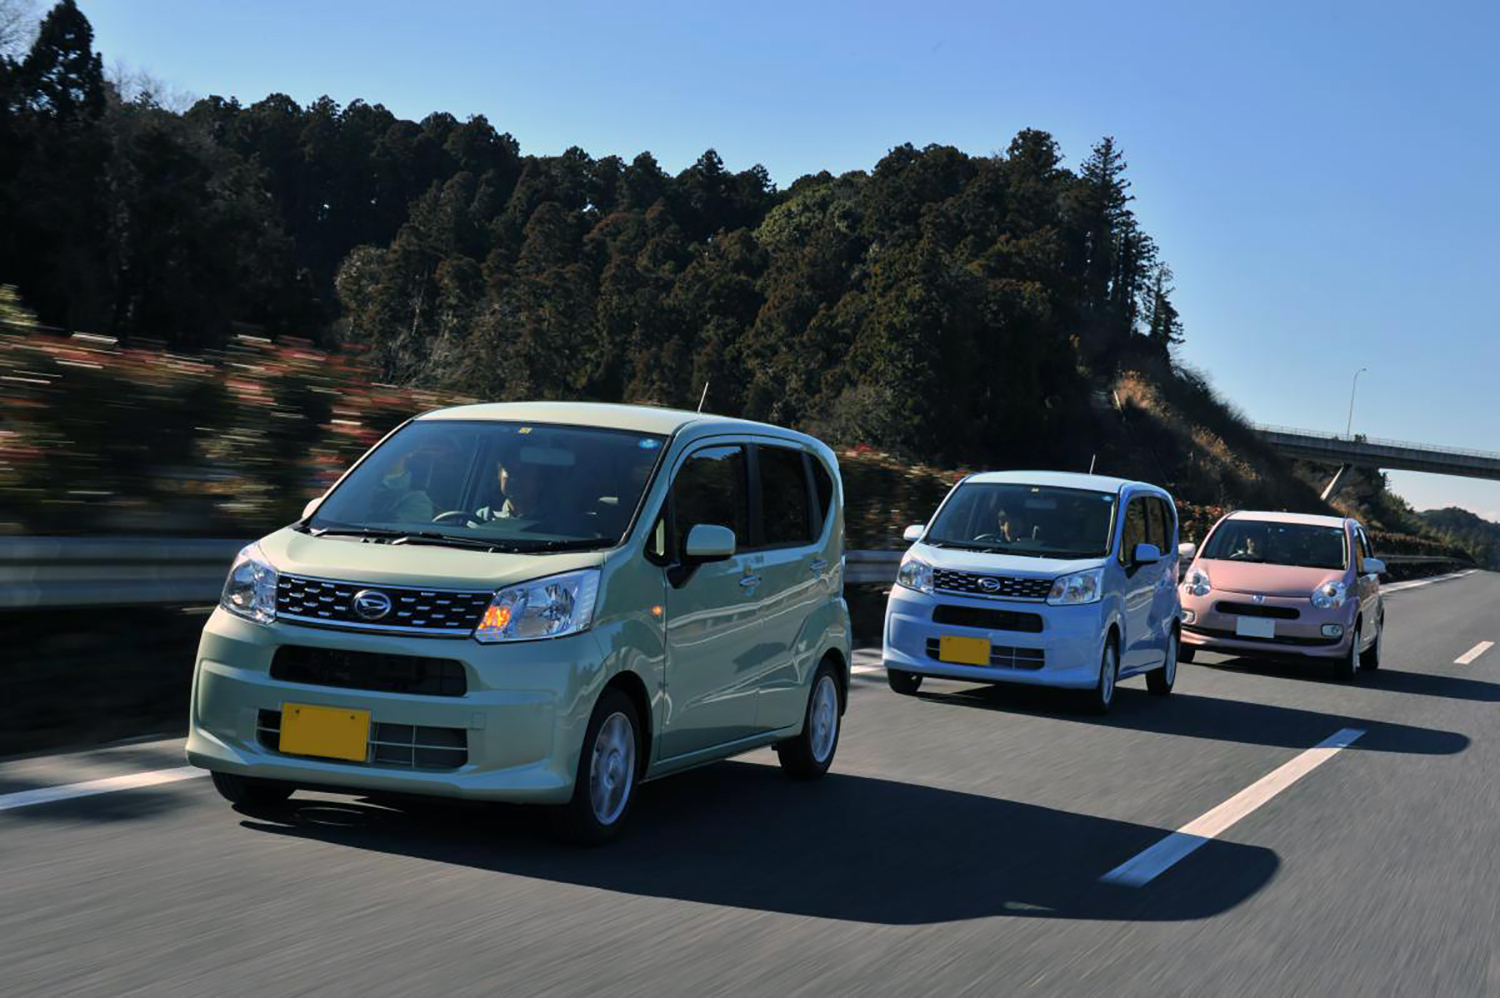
(41, 572)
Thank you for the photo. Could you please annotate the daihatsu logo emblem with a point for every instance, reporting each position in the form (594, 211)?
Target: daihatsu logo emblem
(1258, 598)
(371, 604)
(990, 585)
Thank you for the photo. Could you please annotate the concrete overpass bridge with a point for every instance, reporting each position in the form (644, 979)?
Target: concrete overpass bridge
(1387, 455)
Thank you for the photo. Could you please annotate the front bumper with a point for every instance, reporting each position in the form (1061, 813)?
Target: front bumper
(1212, 628)
(1070, 640)
(522, 720)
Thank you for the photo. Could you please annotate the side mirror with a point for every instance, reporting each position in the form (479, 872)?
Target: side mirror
(708, 542)
(1186, 552)
(913, 533)
(1145, 554)
(311, 507)
(1374, 566)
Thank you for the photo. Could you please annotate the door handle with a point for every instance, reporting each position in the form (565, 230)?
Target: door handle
(749, 581)
(817, 566)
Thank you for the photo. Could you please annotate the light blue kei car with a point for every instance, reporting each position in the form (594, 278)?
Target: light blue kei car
(1043, 578)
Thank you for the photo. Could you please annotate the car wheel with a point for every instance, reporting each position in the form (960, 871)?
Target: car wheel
(604, 787)
(905, 683)
(1185, 653)
(1348, 666)
(1159, 681)
(251, 791)
(1369, 659)
(1102, 696)
(808, 756)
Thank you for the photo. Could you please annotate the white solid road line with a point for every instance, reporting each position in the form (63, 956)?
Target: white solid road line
(1474, 653)
(1400, 587)
(1146, 866)
(132, 781)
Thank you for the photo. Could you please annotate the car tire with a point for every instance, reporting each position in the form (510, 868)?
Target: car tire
(809, 754)
(1159, 682)
(251, 791)
(608, 774)
(1348, 666)
(905, 683)
(1099, 699)
(1369, 659)
(1185, 654)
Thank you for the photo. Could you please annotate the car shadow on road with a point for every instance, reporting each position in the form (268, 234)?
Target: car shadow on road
(1212, 718)
(1426, 684)
(852, 848)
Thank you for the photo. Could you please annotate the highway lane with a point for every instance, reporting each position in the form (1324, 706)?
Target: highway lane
(957, 848)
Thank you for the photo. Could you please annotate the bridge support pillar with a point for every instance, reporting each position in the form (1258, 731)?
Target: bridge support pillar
(1338, 482)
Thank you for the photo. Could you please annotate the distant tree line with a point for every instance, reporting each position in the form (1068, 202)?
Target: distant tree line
(945, 303)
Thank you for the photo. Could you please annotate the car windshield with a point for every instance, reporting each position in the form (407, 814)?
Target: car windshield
(498, 485)
(1304, 545)
(1039, 521)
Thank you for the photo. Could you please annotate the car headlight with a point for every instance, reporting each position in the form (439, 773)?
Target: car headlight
(553, 607)
(915, 573)
(250, 589)
(1080, 587)
(1197, 583)
(1330, 595)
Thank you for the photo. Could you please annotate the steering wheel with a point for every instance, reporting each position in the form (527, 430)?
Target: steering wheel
(996, 538)
(451, 516)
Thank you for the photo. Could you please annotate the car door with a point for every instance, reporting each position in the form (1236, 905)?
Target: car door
(1140, 588)
(793, 574)
(1162, 531)
(711, 693)
(1368, 583)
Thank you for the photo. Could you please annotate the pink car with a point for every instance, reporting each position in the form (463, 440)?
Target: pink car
(1285, 585)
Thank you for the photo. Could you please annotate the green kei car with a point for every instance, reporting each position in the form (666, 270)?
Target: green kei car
(536, 602)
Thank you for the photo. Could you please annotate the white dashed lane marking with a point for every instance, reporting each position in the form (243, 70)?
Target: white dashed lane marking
(1474, 653)
(1147, 866)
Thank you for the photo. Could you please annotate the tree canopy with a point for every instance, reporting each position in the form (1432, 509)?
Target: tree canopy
(941, 301)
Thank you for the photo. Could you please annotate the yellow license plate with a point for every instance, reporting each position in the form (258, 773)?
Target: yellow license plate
(964, 651)
(329, 732)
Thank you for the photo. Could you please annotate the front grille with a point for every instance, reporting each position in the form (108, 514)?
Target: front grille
(361, 670)
(993, 620)
(1001, 656)
(1280, 639)
(401, 746)
(1257, 610)
(440, 611)
(992, 586)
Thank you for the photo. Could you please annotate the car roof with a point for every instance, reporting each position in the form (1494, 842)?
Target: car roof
(1059, 479)
(633, 418)
(1311, 519)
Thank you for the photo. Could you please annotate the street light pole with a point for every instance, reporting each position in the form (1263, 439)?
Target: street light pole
(1349, 426)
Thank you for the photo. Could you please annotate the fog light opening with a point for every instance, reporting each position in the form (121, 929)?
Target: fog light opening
(1333, 630)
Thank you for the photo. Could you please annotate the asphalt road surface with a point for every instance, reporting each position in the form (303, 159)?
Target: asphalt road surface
(957, 848)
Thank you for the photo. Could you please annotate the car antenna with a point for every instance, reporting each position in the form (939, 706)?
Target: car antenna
(704, 397)
(1092, 459)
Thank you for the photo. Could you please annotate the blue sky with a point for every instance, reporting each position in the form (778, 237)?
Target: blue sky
(1320, 176)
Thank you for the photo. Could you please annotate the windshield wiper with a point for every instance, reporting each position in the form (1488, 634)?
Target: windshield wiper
(375, 533)
(577, 544)
(964, 546)
(436, 539)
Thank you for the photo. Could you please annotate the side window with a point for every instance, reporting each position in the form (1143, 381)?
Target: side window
(1362, 543)
(823, 484)
(1156, 523)
(711, 488)
(786, 516)
(656, 542)
(1134, 530)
